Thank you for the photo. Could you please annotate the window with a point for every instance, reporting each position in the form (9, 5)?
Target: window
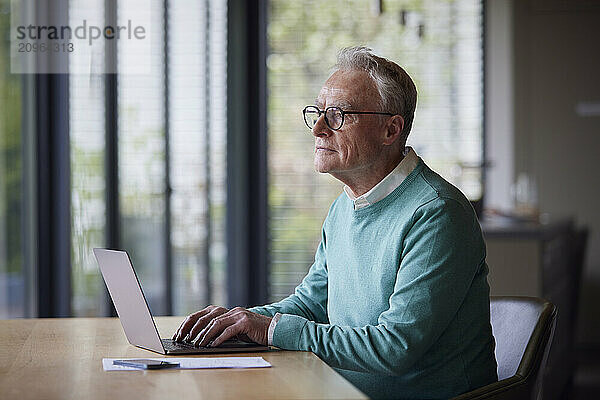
(170, 129)
(88, 183)
(142, 168)
(440, 46)
(171, 136)
(12, 274)
(197, 112)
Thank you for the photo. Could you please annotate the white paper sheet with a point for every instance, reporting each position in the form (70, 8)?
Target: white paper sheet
(194, 363)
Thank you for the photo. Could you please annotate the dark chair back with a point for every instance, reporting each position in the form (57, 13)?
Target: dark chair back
(523, 328)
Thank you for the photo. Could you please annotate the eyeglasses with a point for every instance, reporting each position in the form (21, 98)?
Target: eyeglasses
(334, 116)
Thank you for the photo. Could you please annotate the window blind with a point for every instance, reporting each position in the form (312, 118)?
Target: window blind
(171, 132)
(197, 109)
(87, 142)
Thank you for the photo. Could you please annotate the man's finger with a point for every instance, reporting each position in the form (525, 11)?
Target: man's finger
(196, 333)
(228, 333)
(204, 320)
(186, 320)
(215, 327)
(190, 321)
(211, 325)
(176, 334)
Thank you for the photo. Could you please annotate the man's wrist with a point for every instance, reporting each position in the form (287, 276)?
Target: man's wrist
(271, 331)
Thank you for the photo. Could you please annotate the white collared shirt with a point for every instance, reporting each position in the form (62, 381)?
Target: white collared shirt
(388, 184)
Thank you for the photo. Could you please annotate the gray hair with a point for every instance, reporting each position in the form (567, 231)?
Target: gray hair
(396, 88)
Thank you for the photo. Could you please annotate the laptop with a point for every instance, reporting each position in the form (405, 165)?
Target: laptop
(134, 313)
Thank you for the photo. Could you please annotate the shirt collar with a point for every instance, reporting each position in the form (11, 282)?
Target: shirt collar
(388, 184)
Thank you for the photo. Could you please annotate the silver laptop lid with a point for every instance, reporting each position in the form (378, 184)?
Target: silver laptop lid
(128, 298)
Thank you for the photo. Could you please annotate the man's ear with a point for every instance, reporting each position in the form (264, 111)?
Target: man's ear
(393, 129)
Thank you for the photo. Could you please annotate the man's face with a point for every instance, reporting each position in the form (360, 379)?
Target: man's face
(352, 149)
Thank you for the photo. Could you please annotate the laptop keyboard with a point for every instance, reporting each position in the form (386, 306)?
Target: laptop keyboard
(169, 344)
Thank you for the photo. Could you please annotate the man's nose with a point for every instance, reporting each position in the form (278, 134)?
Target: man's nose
(321, 128)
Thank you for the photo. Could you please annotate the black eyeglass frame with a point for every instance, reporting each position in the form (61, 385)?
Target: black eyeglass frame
(324, 113)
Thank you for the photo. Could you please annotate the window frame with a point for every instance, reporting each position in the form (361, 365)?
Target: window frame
(247, 202)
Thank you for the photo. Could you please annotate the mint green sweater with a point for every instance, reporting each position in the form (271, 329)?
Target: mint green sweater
(397, 300)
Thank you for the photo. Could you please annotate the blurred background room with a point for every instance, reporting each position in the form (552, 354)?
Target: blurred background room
(195, 158)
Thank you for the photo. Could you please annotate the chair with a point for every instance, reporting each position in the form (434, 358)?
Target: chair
(523, 328)
(579, 244)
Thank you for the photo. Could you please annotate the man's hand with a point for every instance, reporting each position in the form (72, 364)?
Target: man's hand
(194, 323)
(213, 325)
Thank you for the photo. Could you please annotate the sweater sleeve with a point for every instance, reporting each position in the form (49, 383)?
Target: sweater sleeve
(309, 300)
(438, 264)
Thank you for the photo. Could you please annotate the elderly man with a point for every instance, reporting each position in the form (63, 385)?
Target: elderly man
(397, 299)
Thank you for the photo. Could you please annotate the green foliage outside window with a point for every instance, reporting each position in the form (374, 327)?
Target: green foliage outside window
(11, 256)
(10, 154)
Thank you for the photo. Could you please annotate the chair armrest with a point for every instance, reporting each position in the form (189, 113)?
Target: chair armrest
(497, 390)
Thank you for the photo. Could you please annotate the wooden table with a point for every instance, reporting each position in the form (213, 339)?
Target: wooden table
(62, 359)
